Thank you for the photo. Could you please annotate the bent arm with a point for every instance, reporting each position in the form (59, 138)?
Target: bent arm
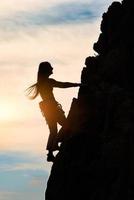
(64, 84)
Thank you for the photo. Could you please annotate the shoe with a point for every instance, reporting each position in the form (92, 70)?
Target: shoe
(50, 158)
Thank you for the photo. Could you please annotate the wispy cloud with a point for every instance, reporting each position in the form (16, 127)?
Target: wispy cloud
(13, 158)
(54, 14)
(60, 14)
(21, 195)
(17, 160)
(5, 195)
(22, 174)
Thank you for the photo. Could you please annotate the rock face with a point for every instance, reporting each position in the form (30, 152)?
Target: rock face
(96, 159)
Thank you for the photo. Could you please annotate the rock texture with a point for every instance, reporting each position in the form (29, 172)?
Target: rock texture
(96, 158)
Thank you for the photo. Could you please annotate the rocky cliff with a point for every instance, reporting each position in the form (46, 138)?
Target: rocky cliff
(96, 158)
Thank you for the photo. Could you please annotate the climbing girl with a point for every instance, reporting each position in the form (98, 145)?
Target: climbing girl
(50, 108)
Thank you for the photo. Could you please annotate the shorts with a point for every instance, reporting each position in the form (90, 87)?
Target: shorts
(52, 111)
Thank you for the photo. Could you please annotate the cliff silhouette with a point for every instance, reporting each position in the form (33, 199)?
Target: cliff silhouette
(96, 157)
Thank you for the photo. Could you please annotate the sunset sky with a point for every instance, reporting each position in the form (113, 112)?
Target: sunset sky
(31, 31)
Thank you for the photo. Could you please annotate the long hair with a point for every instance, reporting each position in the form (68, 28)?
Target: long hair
(43, 72)
(32, 91)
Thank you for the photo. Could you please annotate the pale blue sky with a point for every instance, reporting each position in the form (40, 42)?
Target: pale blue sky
(62, 32)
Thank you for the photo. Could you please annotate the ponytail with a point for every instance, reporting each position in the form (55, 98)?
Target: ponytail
(33, 91)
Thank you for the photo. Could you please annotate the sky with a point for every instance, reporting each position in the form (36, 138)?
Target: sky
(31, 31)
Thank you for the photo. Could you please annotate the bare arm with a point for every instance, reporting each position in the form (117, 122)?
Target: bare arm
(64, 84)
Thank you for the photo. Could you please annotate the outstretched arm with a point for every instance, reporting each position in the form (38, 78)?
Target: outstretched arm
(64, 84)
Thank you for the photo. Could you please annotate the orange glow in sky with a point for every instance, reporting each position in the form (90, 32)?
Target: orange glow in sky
(7, 112)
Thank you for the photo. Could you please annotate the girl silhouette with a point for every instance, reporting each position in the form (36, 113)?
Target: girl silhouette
(50, 108)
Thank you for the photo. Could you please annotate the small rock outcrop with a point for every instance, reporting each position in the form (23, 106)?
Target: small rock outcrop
(96, 158)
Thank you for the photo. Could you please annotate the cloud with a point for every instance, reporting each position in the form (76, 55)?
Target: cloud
(17, 160)
(6, 195)
(34, 195)
(23, 184)
(35, 14)
(63, 13)
(8, 8)
(23, 176)
(37, 181)
(12, 158)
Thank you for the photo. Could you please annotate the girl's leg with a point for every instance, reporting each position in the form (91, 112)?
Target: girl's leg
(52, 144)
(52, 139)
(61, 119)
